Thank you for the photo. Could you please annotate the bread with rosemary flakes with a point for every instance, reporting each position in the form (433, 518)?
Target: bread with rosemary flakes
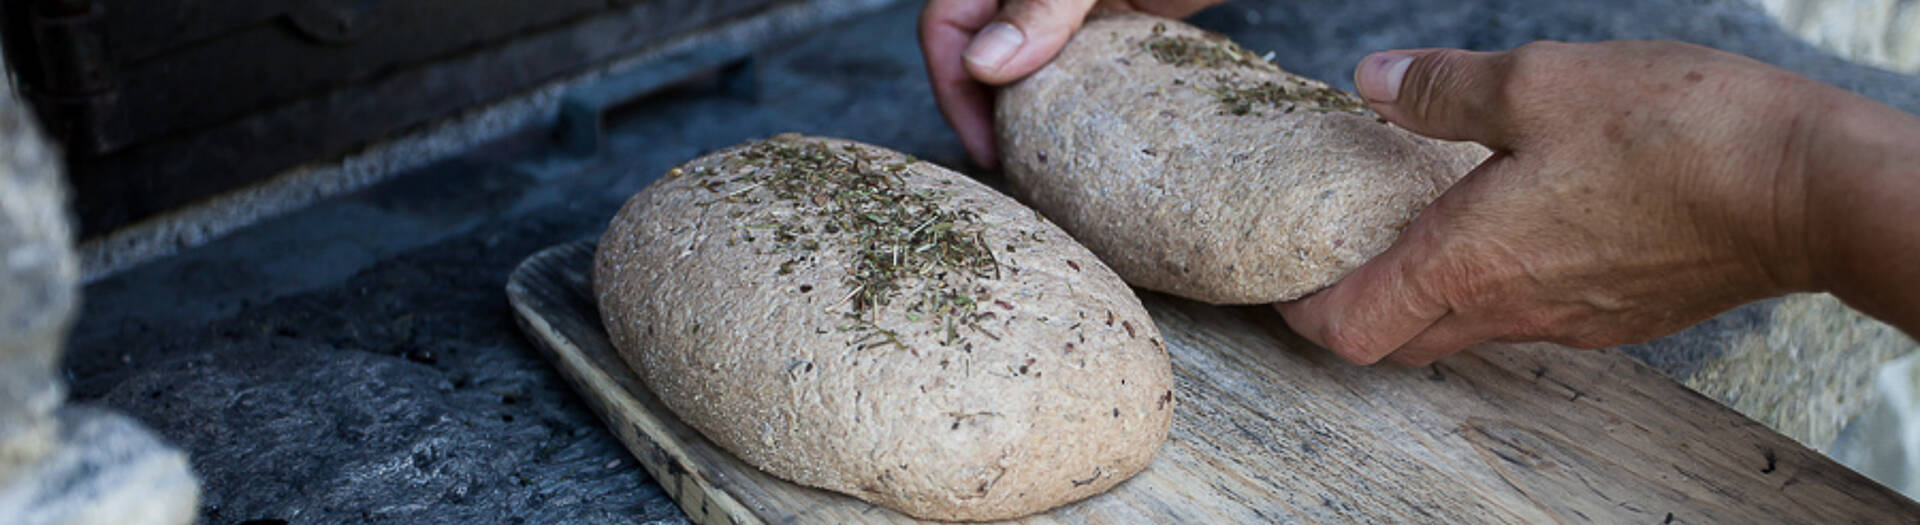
(1197, 168)
(845, 317)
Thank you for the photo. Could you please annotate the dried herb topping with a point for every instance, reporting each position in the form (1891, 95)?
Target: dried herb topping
(1234, 95)
(1285, 97)
(1186, 51)
(901, 240)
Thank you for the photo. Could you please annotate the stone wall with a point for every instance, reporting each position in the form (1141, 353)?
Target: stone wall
(1884, 33)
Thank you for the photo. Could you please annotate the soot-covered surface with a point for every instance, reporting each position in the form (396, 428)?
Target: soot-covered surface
(356, 361)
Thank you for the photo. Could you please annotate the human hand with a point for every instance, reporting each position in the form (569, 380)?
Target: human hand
(1638, 188)
(972, 44)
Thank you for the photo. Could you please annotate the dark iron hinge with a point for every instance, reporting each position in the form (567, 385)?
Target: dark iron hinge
(76, 87)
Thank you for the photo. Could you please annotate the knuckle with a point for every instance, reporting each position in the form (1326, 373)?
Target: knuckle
(1537, 55)
(1519, 71)
(1352, 345)
(1528, 72)
(1450, 284)
(1444, 282)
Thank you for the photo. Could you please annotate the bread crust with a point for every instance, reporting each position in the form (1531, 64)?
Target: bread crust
(1053, 386)
(1195, 168)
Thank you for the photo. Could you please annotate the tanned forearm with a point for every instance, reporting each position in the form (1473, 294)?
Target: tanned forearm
(1863, 208)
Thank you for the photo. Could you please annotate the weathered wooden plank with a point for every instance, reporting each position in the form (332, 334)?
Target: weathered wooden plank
(1271, 429)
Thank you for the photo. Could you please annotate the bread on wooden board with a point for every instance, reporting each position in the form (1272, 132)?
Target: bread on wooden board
(845, 317)
(1197, 168)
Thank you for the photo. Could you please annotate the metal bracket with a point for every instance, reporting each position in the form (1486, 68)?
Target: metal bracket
(335, 21)
(76, 83)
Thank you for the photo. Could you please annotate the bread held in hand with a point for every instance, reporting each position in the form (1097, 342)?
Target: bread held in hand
(1197, 168)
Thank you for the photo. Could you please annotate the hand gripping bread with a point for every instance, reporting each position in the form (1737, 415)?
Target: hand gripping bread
(845, 317)
(1196, 168)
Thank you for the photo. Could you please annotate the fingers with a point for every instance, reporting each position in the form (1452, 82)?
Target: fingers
(1442, 93)
(946, 28)
(1401, 303)
(1376, 309)
(1025, 35)
(1449, 335)
(969, 44)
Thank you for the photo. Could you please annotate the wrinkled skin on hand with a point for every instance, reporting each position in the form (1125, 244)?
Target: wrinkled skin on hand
(1638, 188)
(970, 45)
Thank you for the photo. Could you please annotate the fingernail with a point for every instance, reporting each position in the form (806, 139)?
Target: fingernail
(994, 45)
(1380, 75)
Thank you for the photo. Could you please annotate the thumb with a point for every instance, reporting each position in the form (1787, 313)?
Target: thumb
(1446, 94)
(1025, 35)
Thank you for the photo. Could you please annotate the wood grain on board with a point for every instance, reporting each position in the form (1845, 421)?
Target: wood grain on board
(1270, 428)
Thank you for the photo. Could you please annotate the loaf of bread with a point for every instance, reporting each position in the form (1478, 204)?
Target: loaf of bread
(1197, 168)
(845, 317)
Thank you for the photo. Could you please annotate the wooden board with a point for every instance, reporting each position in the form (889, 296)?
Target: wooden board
(1271, 429)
